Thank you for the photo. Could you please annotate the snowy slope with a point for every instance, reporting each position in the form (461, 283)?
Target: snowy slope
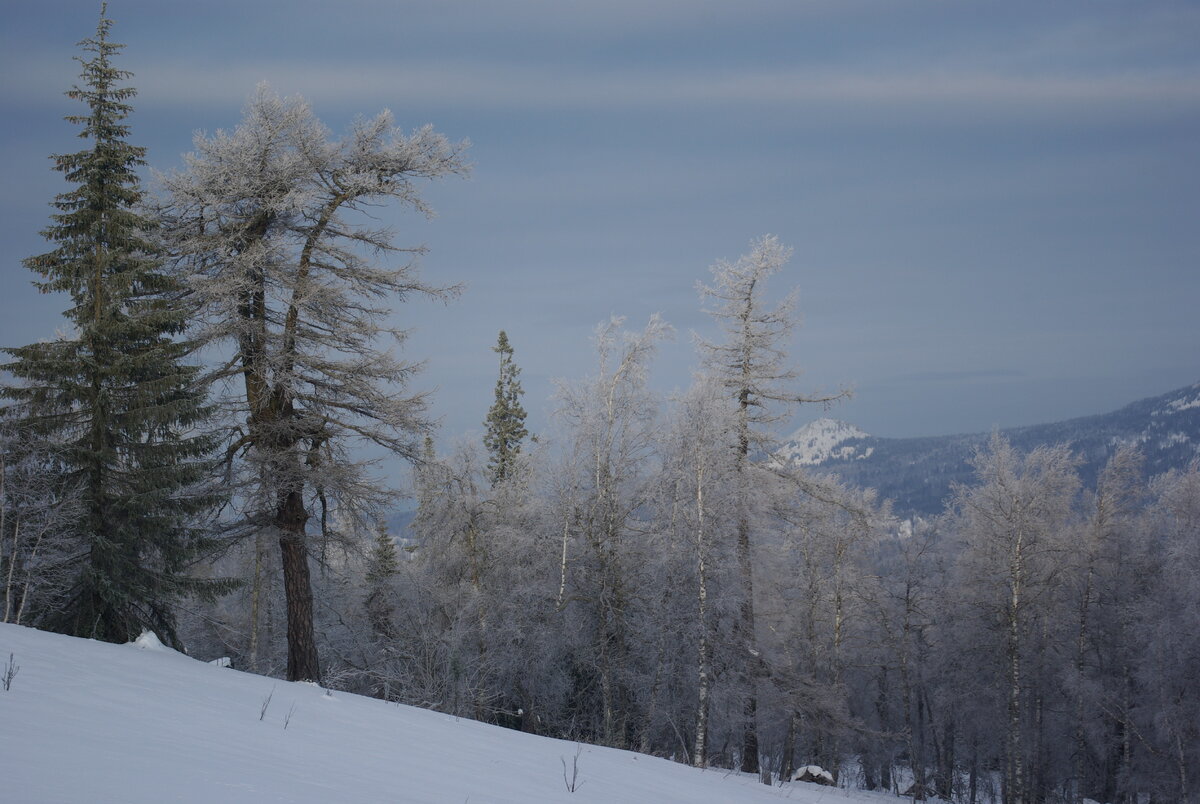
(90, 721)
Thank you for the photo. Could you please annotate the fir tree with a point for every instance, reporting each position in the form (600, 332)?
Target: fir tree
(114, 396)
(506, 419)
(382, 566)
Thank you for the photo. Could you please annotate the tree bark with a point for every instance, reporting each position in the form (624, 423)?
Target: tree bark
(302, 663)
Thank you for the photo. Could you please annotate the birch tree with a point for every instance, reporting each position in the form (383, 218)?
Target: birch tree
(609, 419)
(1161, 705)
(1107, 551)
(289, 282)
(1013, 523)
(694, 507)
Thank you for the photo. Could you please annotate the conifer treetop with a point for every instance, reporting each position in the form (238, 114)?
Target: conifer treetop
(506, 419)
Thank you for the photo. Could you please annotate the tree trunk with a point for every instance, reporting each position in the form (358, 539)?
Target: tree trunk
(973, 780)
(746, 567)
(302, 664)
(877, 756)
(1014, 775)
(945, 778)
(1081, 646)
(704, 671)
(750, 704)
(257, 597)
(644, 741)
(788, 764)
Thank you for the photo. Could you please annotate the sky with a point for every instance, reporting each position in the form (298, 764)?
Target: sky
(992, 205)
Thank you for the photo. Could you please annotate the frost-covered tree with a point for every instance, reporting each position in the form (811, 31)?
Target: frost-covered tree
(750, 363)
(39, 511)
(287, 282)
(1014, 524)
(506, 418)
(1159, 705)
(1109, 553)
(609, 421)
(687, 576)
(116, 396)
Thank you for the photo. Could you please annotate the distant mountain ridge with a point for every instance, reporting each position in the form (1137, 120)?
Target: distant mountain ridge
(917, 473)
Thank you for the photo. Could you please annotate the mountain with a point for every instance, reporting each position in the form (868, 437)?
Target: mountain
(917, 473)
(96, 722)
(821, 441)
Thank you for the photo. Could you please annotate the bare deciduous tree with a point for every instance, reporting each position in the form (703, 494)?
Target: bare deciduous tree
(267, 220)
(751, 365)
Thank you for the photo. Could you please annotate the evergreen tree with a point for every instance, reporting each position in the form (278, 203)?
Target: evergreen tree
(506, 419)
(382, 566)
(114, 396)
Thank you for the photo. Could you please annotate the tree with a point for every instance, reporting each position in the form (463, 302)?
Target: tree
(39, 512)
(506, 418)
(382, 565)
(267, 222)
(115, 397)
(749, 364)
(698, 474)
(1013, 524)
(1162, 695)
(610, 425)
(1108, 552)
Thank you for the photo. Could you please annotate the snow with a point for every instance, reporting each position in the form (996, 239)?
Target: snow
(1173, 438)
(148, 641)
(815, 771)
(91, 721)
(820, 441)
(1185, 404)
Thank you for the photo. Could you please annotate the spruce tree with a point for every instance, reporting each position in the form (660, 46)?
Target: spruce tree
(506, 419)
(115, 395)
(382, 565)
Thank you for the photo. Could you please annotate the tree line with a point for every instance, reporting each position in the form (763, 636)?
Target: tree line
(187, 458)
(1034, 643)
(129, 460)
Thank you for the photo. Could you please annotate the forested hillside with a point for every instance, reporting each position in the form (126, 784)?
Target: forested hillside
(917, 473)
(203, 452)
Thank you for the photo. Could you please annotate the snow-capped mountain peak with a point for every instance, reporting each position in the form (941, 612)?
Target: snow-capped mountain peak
(820, 441)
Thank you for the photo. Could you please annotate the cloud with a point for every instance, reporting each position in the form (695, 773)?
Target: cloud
(482, 85)
(946, 377)
(508, 87)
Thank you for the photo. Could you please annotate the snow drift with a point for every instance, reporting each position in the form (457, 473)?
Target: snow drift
(91, 721)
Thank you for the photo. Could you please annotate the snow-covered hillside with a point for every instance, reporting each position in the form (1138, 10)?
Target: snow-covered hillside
(916, 474)
(820, 441)
(90, 721)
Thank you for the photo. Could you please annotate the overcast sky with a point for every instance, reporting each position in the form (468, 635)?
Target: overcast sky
(994, 206)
